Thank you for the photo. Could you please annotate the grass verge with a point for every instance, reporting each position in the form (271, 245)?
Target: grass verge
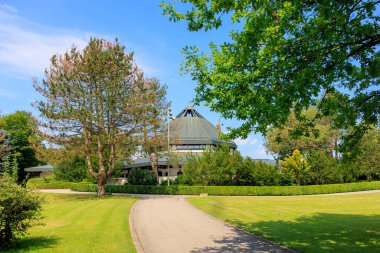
(345, 223)
(81, 223)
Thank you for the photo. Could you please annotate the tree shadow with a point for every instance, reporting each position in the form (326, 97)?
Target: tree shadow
(322, 232)
(240, 242)
(32, 244)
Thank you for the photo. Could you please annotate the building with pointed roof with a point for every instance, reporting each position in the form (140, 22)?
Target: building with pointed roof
(190, 133)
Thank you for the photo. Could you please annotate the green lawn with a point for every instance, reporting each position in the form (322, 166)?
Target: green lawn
(346, 223)
(81, 223)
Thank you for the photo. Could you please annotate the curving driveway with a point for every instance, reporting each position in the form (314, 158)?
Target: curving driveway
(168, 224)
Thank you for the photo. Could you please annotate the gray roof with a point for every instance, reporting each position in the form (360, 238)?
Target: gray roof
(41, 168)
(190, 127)
(145, 162)
(266, 161)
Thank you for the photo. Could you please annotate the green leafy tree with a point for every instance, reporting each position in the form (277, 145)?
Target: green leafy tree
(283, 55)
(7, 168)
(19, 210)
(324, 169)
(296, 166)
(5, 146)
(19, 126)
(10, 167)
(365, 157)
(281, 141)
(94, 100)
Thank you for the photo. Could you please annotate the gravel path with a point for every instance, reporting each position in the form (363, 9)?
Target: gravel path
(169, 224)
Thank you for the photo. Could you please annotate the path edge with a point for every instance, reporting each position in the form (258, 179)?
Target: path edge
(135, 237)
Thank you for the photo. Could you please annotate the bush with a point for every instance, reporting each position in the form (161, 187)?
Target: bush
(324, 168)
(19, 210)
(71, 169)
(142, 177)
(46, 183)
(216, 166)
(84, 187)
(234, 190)
(296, 166)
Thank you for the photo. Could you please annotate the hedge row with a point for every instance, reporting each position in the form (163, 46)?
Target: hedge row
(233, 190)
(40, 183)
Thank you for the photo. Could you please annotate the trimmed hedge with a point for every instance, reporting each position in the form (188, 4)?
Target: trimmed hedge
(41, 183)
(233, 190)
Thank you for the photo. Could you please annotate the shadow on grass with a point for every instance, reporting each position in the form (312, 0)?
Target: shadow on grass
(33, 244)
(321, 232)
(239, 242)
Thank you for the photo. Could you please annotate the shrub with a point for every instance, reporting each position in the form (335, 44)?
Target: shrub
(234, 190)
(296, 166)
(142, 177)
(19, 210)
(216, 166)
(84, 187)
(324, 169)
(259, 174)
(46, 183)
(264, 174)
(71, 169)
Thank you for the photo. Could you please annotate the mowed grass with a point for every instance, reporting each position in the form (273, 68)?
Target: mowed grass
(81, 223)
(344, 223)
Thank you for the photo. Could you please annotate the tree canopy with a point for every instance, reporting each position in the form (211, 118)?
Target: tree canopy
(282, 141)
(95, 101)
(154, 135)
(283, 55)
(19, 126)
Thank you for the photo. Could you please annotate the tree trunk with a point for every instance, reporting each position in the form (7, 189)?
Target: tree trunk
(6, 237)
(102, 185)
(154, 164)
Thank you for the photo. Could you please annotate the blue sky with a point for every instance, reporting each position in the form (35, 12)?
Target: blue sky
(32, 31)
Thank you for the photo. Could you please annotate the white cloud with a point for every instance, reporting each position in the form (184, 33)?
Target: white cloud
(6, 93)
(253, 142)
(248, 141)
(26, 48)
(260, 151)
(241, 142)
(144, 63)
(7, 9)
